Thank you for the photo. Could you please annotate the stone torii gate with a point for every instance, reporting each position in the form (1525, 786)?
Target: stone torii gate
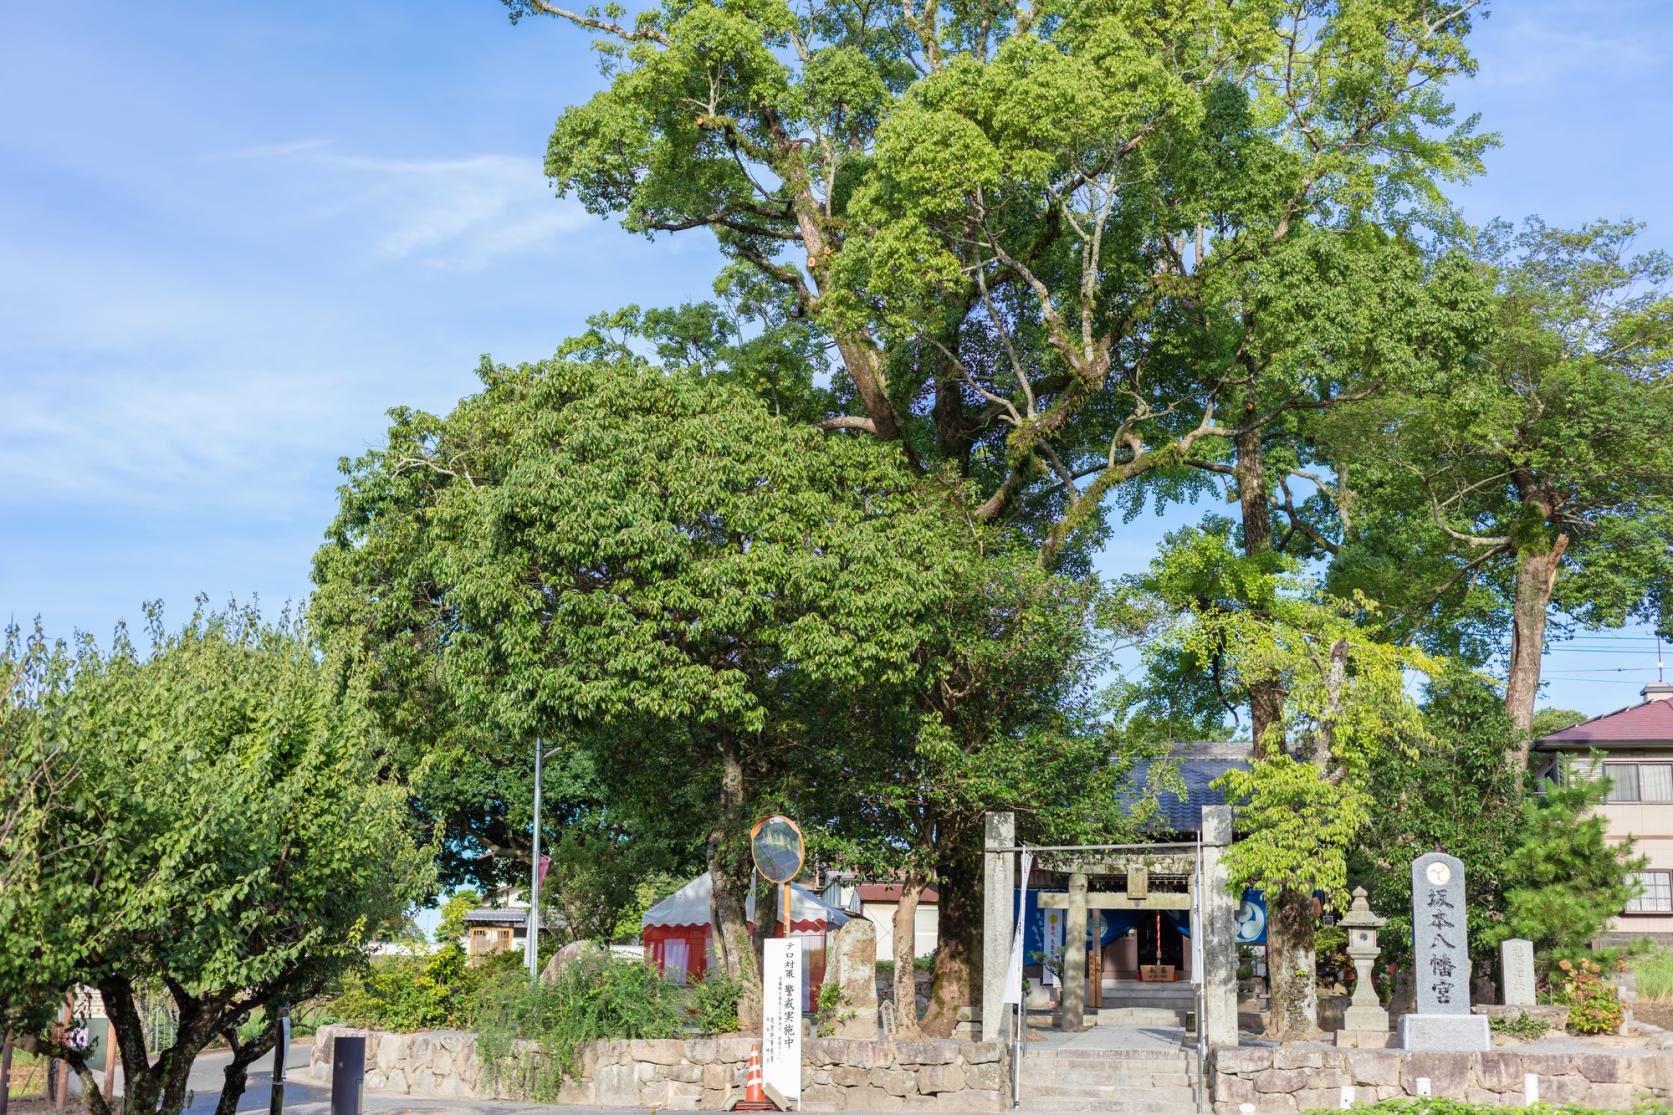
(1207, 892)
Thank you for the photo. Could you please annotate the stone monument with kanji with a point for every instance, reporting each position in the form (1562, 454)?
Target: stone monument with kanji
(1440, 947)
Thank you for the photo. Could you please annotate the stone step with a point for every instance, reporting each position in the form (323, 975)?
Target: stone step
(1142, 1016)
(1115, 1079)
(1111, 1060)
(1079, 1093)
(1120, 1107)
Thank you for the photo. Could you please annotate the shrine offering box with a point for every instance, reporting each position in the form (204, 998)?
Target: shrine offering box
(1156, 973)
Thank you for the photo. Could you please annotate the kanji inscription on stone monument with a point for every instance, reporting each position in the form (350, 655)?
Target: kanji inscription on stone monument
(1441, 961)
(1439, 935)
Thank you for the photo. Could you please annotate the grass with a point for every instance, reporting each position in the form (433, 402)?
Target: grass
(1654, 972)
(28, 1074)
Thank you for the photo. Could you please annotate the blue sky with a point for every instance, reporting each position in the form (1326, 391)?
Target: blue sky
(231, 236)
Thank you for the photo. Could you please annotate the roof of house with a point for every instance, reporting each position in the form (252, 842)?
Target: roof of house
(1199, 764)
(514, 916)
(1648, 724)
(890, 892)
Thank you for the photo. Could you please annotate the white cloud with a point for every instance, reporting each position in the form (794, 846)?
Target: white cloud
(463, 212)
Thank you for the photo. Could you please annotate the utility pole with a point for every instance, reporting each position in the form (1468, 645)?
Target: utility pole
(531, 947)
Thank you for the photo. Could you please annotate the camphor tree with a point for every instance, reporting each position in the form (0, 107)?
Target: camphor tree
(226, 833)
(651, 571)
(1535, 475)
(1050, 248)
(1308, 794)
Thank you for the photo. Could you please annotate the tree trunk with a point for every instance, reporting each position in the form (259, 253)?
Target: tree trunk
(906, 949)
(1536, 577)
(1266, 696)
(958, 950)
(729, 872)
(1290, 968)
(5, 1072)
(237, 1073)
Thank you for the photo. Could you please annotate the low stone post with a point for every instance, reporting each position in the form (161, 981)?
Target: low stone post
(1365, 1022)
(1516, 967)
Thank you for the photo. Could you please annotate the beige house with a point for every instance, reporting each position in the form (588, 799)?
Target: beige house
(878, 903)
(1636, 749)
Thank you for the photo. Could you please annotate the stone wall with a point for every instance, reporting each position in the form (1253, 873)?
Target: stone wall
(699, 1073)
(1285, 1079)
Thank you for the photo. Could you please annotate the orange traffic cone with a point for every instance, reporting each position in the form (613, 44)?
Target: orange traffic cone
(754, 1098)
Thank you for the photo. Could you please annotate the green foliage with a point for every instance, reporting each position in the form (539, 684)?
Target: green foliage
(224, 771)
(988, 217)
(647, 892)
(1564, 879)
(593, 999)
(1523, 1026)
(1547, 440)
(451, 929)
(1457, 792)
(419, 991)
(1307, 795)
(1592, 1002)
(715, 1001)
(832, 1006)
(1653, 969)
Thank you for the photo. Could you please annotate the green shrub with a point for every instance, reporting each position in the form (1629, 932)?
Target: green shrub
(417, 991)
(1593, 1006)
(1523, 1026)
(715, 1004)
(593, 999)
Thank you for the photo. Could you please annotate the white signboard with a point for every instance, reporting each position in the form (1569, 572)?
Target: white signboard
(1052, 941)
(781, 1016)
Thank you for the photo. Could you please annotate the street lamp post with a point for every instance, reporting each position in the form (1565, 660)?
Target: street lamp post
(531, 947)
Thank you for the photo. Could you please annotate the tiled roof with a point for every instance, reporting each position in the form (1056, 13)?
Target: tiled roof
(1199, 764)
(1648, 723)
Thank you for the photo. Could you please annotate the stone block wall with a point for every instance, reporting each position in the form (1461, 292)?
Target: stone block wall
(1281, 1080)
(699, 1073)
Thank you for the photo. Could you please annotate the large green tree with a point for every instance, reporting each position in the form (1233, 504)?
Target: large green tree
(1535, 476)
(1033, 234)
(226, 833)
(686, 593)
(1053, 248)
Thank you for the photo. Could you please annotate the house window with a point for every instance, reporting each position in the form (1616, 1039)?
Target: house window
(1639, 781)
(1655, 892)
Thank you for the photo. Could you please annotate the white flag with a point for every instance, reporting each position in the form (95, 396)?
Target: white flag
(1013, 973)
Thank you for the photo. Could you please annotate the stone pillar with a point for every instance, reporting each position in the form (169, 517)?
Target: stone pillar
(999, 885)
(854, 964)
(1516, 966)
(1071, 1008)
(1218, 929)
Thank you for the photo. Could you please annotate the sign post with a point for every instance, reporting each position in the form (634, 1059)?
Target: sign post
(781, 1017)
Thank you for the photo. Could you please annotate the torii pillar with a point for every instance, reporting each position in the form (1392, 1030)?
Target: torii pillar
(999, 831)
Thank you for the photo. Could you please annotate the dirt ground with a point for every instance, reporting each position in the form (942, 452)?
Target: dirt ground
(1658, 1013)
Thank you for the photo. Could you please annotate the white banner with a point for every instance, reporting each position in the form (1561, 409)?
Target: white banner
(781, 1016)
(1013, 973)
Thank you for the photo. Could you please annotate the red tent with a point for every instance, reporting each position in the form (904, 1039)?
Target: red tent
(677, 932)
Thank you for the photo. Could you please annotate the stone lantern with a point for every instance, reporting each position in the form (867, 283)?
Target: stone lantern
(1365, 1022)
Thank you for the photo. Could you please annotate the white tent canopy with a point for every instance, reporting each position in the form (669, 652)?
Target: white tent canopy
(690, 906)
